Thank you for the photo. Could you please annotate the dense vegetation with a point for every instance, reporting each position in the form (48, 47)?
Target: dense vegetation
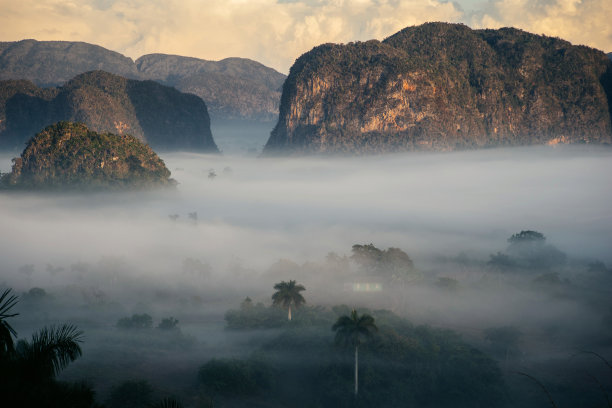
(400, 365)
(443, 86)
(233, 88)
(69, 155)
(159, 115)
(260, 358)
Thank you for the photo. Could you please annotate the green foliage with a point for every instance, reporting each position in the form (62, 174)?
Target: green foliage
(130, 394)
(69, 155)
(258, 316)
(137, 321)
(233, 377)
(402, 365)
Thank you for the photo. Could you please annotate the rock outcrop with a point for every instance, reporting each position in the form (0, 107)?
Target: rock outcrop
(156, 114)
(443, 86)
(70, 156)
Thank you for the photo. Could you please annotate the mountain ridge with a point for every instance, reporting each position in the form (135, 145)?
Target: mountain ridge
(52, 63)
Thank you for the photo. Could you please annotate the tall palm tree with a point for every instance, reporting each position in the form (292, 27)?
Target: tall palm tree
(287, 294)
(351, 331)
(7, 301)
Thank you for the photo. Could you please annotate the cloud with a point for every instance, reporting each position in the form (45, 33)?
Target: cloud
(266, 30)
(584, 22)
(277, 32)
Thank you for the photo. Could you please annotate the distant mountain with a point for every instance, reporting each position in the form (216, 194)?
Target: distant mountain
(70, 156)
(159, 115)
(51, 63)
(233, 88)
(443, 86)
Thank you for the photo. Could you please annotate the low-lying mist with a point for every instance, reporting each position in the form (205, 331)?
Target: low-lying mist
(236, 224)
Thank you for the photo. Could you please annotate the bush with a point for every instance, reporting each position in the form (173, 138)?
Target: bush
(137, 321)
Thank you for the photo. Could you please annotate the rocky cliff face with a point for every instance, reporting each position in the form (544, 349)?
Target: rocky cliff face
(233, 88)
(442, 87)
(158, 115)
(69, 155)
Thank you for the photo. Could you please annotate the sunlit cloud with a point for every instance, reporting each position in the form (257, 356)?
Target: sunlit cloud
(273, 32)
(585, 22)
(277, 32)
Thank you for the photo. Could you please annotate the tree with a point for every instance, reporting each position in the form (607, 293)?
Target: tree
(351, 331)
(392, 264)
(527, 236)
(287, 294)
(7, 301)
(35, 364)
(49, 352)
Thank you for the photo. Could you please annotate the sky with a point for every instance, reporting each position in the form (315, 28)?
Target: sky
(276, 32)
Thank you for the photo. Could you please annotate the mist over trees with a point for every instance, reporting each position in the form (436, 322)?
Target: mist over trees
(464, 293)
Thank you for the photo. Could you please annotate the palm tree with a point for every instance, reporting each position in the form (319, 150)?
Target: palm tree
(352, 330)
(7, 301)
(49, 352)
(34, 364)
(287, 294)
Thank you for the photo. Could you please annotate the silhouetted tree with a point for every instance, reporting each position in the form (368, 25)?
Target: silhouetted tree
(7, 302)
(351, 331)
(29, 368)
(527, 236)
(287, 294)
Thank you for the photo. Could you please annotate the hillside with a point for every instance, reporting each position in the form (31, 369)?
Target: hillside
(443, 86)
(233, 88)
(70, 156)
(158, 115)
(51, 63)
